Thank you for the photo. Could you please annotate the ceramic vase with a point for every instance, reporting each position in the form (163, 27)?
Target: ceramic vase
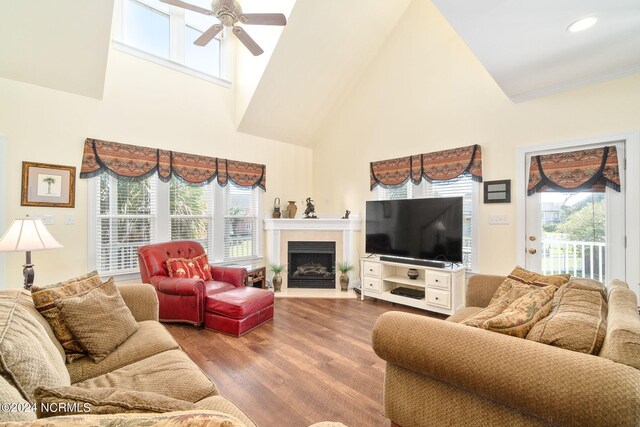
(277, 282)
(344, 282)
(413, 273)
(292, 209)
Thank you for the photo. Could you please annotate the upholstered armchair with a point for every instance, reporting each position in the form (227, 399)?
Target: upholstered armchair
(182, 299)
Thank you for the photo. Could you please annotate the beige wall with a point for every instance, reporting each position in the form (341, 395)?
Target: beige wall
(144, 104)
(425, 91)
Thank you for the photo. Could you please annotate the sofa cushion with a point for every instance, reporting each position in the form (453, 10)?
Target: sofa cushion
(28, 357)
(192, 268)
(531, 278)
(45, 299)
(499, 306)
(170, 373)
(520, 316)
(622, 342)
(19, 409)
(463, 313)
(150, 339)
(526, 279)
(200, 418)
(578, 320)
(221, 404)
(107, 400)
(588, 285)
(99, 319)
(26, 301)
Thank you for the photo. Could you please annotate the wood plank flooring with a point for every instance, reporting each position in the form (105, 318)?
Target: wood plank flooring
(312, 363)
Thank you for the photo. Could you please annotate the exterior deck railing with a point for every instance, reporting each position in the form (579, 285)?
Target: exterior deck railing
(580, 259)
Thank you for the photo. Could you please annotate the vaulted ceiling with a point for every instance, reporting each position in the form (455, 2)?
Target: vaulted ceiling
(526, 47)
(328, 44)
(62, 45)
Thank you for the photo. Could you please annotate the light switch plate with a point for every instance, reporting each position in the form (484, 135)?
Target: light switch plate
(499, 219)
(48, 220)
(69, 219)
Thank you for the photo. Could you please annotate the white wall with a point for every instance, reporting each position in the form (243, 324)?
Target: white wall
(3, 197)
(425, 92)
(144, 104)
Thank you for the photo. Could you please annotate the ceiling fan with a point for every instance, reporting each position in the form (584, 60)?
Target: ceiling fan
(230, 13)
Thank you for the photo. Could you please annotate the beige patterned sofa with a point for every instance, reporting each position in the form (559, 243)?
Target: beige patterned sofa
(148, 361)
(444, 373)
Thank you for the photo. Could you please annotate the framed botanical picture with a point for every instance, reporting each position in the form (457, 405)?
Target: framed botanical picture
(48, 185)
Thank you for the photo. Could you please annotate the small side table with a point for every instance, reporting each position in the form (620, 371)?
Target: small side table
(256, 277)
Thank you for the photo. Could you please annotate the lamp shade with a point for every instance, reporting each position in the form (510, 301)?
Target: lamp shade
(27, 234)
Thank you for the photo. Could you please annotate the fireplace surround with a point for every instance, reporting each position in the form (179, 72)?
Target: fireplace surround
(326, 228)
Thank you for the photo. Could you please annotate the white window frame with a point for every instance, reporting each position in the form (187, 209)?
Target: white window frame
(163, 225)
(420, 191)
(632, 203)
(177, 31)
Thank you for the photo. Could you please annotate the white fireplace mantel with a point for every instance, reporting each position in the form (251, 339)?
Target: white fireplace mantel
(310, 229)
(333, 224)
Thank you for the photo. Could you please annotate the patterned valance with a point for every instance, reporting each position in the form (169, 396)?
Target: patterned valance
(437, 166)
(584, 170)
(131, 162)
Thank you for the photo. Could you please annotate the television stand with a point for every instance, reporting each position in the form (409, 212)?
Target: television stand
(443, 287)
(422, 262)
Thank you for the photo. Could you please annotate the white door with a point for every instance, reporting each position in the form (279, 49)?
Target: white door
(580, 233)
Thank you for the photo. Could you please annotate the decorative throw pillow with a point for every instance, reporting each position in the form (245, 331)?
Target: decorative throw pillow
(100, 320)
(193, 268)
(518, 319)
(104, 400)
(493, 310)
(588, 285)
(529, 279)
(200, 418)
(45, 299)
(578, 321)
(28, 357)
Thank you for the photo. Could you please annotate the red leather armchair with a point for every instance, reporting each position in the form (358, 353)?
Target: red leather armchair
(183, 300)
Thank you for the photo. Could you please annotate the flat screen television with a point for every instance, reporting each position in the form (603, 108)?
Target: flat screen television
(424, 229)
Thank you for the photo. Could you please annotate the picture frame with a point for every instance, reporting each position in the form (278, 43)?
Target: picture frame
(47, 185)
(497, 191)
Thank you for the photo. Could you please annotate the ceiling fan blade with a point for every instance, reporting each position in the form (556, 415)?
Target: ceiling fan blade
(263, 19)
(189, 6)
(208, 35)
(246, 40)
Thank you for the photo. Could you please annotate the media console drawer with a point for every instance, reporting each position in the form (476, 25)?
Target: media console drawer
(372, 284)
(438, 280)
(371, 269)
(439, 298)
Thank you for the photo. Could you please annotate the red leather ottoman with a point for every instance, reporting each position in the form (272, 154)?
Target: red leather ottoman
(239, 310)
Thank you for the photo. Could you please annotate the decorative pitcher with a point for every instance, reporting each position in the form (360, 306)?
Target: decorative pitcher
(292, 209)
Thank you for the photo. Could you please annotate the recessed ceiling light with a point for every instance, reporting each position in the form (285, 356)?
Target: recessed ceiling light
(582, 24)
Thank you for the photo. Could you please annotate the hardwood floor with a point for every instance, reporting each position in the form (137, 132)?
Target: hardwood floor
(312, 363)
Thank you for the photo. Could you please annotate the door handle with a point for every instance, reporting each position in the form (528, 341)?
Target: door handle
(532, 251)
(532, 238)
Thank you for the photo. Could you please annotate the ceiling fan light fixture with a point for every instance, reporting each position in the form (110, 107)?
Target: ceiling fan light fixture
(582, 24)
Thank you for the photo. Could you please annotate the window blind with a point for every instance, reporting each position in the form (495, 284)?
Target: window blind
(241, 222)
(190, 212)
(125, 219)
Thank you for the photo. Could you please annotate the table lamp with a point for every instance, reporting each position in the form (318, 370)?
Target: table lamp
(27, 234)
